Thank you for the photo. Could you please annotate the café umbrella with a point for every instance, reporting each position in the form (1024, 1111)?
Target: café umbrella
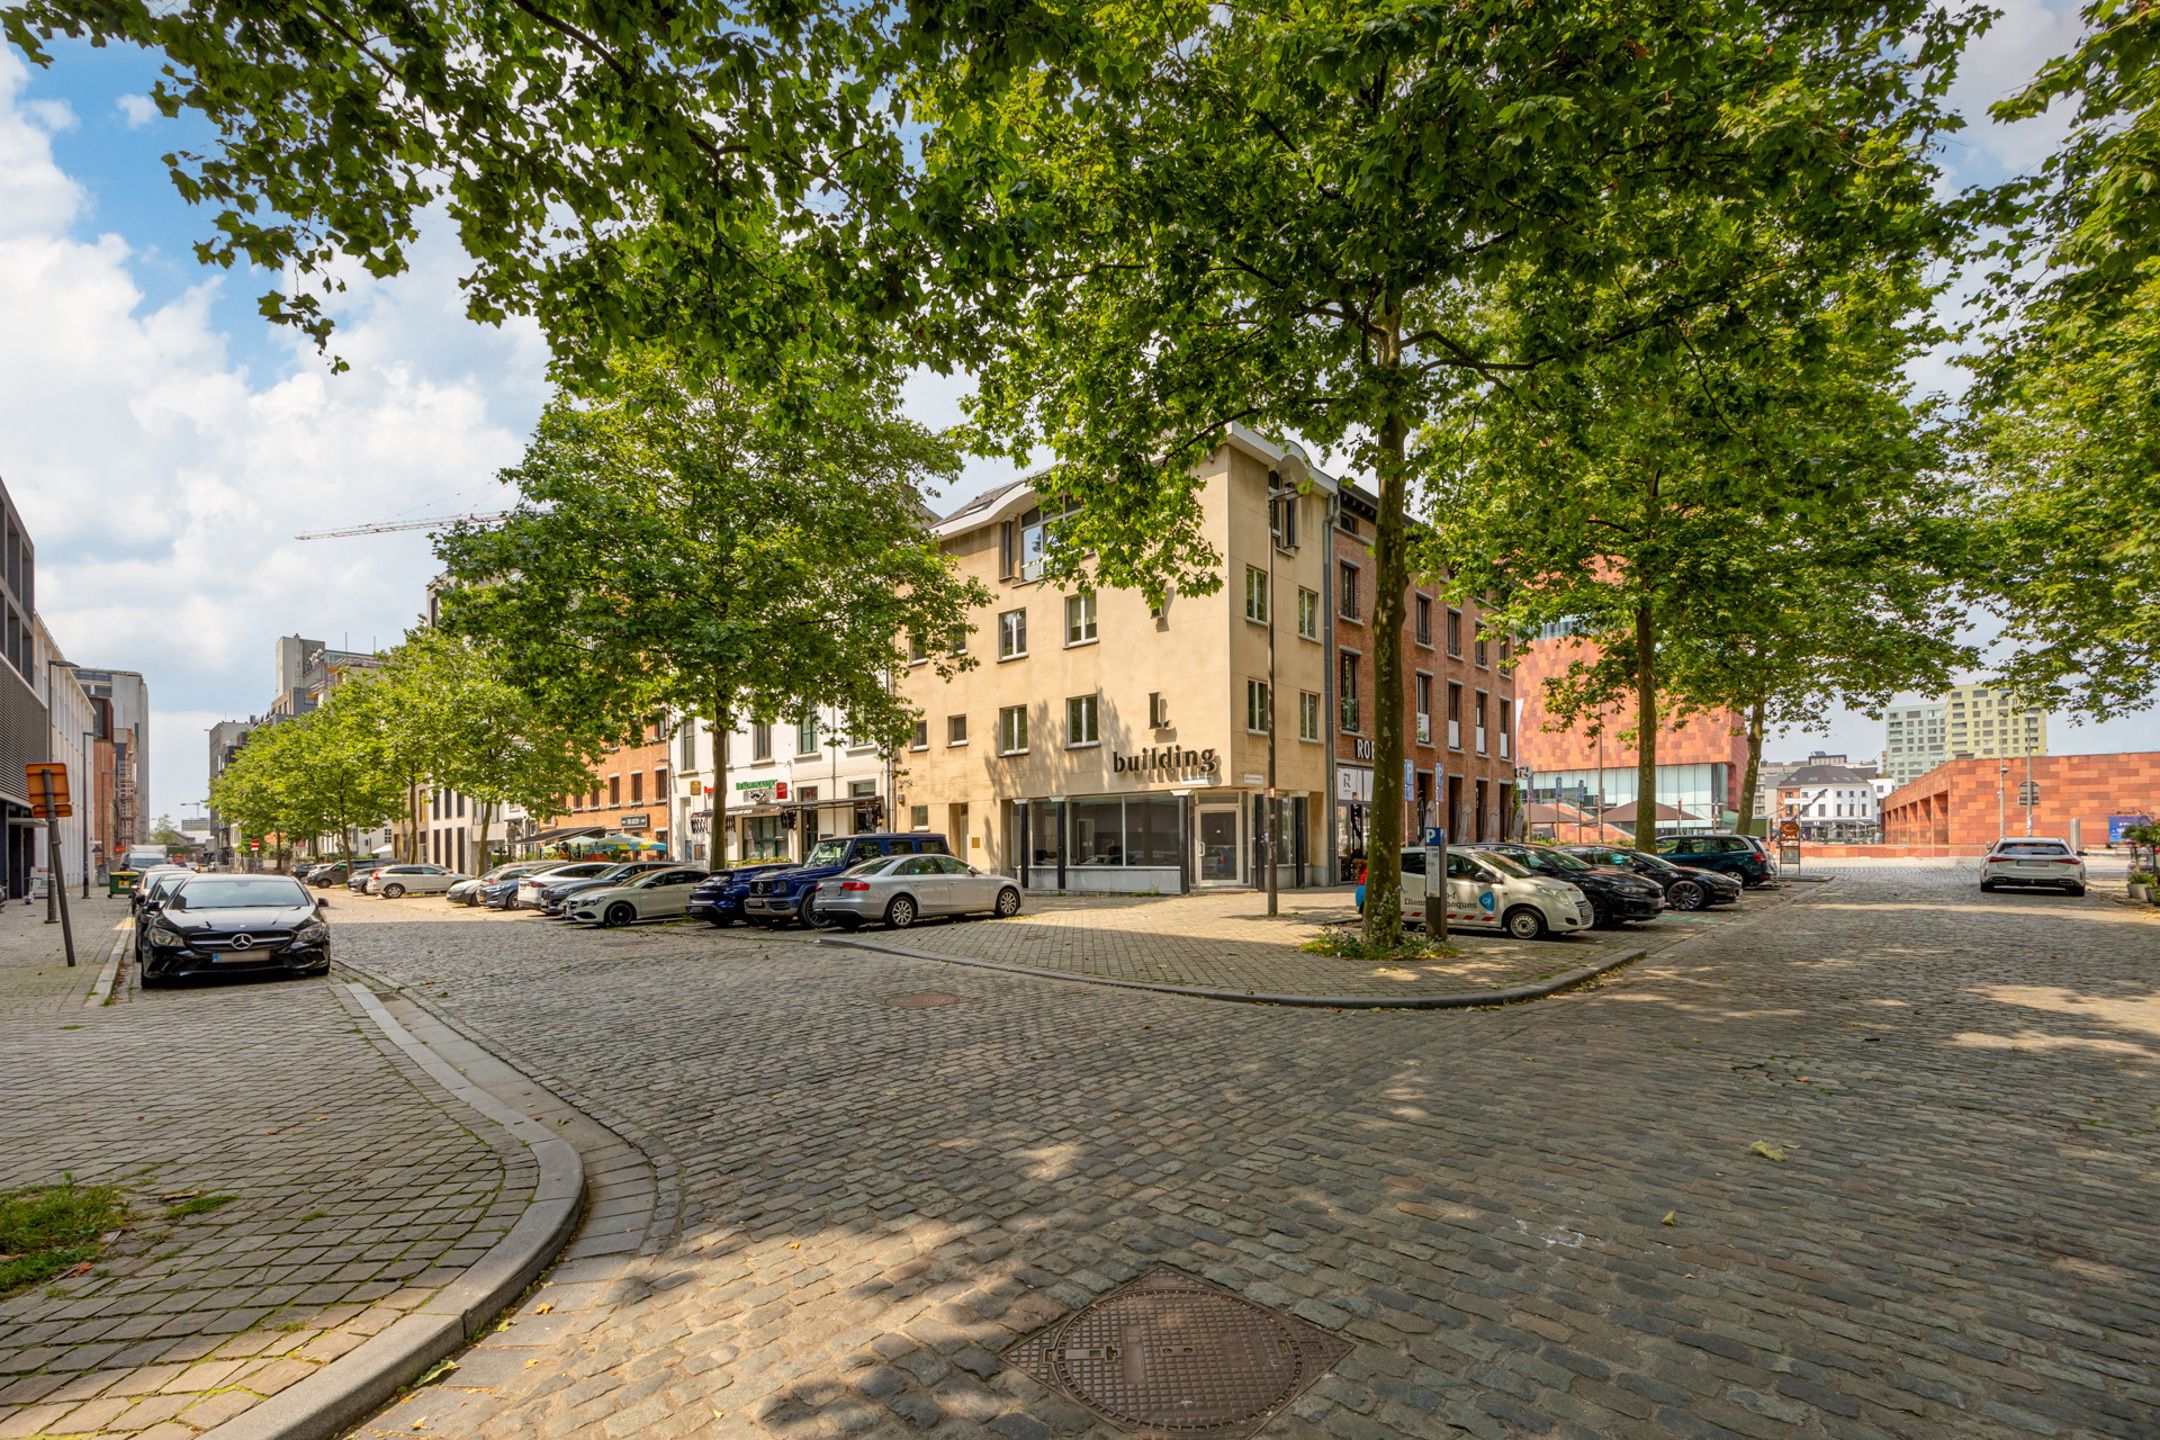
(616, 844)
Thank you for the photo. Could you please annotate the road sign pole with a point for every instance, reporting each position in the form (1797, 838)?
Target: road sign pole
(56, 879)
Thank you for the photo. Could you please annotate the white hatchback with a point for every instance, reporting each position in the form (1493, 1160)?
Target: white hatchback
(391, 881)
(1484, 889)
(2028, 861)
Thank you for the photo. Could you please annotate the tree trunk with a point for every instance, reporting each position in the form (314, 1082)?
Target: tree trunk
(716, 836)
(414, 821)
(1646, 725)
(1751, 778)
(1391, 578)
(486, 817)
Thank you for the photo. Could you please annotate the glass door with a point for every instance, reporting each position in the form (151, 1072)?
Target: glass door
(1220, 863)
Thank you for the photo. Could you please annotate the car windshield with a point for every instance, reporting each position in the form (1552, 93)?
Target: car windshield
(827, 852)
(653, 877)
(241, 892)
(1548, 860)
(871, 867)
(1505, 865)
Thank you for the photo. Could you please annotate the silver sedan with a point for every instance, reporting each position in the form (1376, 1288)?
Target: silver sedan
(901, 889)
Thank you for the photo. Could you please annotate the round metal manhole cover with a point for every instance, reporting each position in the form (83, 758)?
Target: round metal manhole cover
(921, 1000)
(1169, 1354)
(1188, 1360)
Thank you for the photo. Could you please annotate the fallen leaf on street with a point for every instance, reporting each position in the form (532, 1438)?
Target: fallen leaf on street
(1768, 1151)
(1672, 1217)
(547, 1307)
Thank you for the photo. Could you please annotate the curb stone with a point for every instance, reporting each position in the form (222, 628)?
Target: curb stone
(101, 990)
(355, 1385)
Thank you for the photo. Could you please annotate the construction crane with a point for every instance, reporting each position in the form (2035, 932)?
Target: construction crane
(440, 522)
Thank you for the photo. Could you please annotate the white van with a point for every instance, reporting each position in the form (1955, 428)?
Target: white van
(142, 857)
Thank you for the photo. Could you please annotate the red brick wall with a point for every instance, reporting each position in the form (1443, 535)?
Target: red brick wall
(1698, 740)
(1955, 804)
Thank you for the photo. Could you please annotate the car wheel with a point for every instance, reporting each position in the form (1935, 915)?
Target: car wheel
(1987, 887)
(391, 892)
(1524, 923)
(622, 912)
(805, 914)
(1008, 903)
(1600, 917)
(901, 913)
(2075, 889)
(1687, 895)
(148, 981)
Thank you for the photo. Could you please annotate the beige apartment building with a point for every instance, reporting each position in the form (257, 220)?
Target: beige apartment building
(1099, 744)
(1989, 722)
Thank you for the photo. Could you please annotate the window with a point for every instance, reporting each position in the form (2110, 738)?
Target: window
(1080, 722)
(1308, 613)
(1478, 648)
(1424, 619)
(1349, 692)
(1454, 633)
(806, 735)
(1256, 594)
(1346, 604)
(1479, 715)
(956, 642)
(917, 652)
(761, 742)
(956, 730)
(1259, 709)
(1283, 519)
(1080, 618)
(1158, 711)
(918, 817)
(1012, 730)
(1012, 634)
(1503, 652)
(922, 735)
(1454, 717)
(1034, 540)
(1424, 708)
(1308, 715)
(1346, 522)
(614, 790)
(637, 786)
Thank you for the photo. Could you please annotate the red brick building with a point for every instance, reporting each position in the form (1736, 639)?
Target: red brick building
(1458, 702)
(1964, 806)
(1701, 761)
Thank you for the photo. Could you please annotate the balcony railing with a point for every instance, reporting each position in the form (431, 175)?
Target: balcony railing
(1349, 713)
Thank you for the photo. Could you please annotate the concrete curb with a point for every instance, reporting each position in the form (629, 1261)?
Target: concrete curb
(1513, 995)
(356, 1384)
(101, 990)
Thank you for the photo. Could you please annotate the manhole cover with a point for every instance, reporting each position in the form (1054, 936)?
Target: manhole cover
(1171, 1355)
(921, 1000)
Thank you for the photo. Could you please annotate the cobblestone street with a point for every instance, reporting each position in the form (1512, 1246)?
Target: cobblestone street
(1881, 1162)
(295, 1186)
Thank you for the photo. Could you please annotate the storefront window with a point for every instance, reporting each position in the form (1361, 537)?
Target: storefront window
(1151, 831)
(763, 838)
(1098, 832)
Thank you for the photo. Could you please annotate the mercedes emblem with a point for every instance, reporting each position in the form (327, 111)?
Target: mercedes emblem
(243, 941)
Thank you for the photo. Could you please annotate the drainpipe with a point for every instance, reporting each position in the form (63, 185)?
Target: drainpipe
(1330, 716)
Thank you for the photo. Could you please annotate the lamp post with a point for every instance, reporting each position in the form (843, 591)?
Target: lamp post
(2002, 775)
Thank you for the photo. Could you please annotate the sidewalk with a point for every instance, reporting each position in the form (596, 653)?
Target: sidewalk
(296, 1185)
(1224, 945)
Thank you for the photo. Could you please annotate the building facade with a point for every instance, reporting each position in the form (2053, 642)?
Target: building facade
(122, 755)
(1829, 802)
(1966, 805)
(1984, 722)
(25, 728)
(1915, 739)
(72, 740)
(1101, 743)
(788, 785)
(1701, 761)
(631, 794)
(1458, 703)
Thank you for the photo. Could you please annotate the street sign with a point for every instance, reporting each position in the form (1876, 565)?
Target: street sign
(1790, 830)
(47, 786)
(2029, 793)
(254, 844)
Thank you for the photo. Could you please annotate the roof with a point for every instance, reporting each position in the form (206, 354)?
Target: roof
(1625, 814)
(1828, 775)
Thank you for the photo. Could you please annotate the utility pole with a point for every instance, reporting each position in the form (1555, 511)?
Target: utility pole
(2029, 796)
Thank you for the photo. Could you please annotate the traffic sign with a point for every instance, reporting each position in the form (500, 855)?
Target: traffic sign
(254, 844)
(47, 784)
(1790, 830)
(2029, 793)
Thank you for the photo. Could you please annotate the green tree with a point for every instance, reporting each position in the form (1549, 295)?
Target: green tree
(1296, 217)
(164, 832)
(2067, 414)
(700, 548)
(320, 774)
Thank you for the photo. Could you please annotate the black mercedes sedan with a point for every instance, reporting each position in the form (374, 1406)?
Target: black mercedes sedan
(1616, 895)
(1685, 889)
(233, 924)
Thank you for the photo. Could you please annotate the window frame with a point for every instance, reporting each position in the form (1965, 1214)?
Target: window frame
(1005, 632)
(1308, 614)
(1076, 706)
(1346, 590)
(1258, 690)
(961, 720)
(1081, 603)
(1256, 586)
(1011, 718)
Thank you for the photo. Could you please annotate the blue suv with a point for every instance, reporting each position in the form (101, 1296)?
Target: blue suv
(718, 900)
(778, 896)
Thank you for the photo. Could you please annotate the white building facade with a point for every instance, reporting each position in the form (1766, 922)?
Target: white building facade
(1831, 802)
(787, 785)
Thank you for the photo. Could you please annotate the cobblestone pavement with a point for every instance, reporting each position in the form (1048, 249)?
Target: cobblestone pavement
(1225, 941)
(337, 1187)
(1543, 1220)
(34, 974)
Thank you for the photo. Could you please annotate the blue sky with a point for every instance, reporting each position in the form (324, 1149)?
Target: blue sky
(165, 444)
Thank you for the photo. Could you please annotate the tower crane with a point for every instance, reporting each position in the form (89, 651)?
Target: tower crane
(439, 522)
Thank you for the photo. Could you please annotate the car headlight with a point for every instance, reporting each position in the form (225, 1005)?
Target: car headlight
(166, 938)
(310, 932)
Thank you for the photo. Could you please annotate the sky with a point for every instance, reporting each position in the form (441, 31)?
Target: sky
(165, 444)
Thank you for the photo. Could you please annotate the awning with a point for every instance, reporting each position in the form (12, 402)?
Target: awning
(567, 832)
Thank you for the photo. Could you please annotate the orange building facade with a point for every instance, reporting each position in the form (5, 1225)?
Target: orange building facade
(1965, 806)
(1701, 760)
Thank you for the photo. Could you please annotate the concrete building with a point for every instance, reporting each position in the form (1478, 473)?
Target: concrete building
(1108, 745)
(1915, 739)
(25, 728)
(1988, 722)
(1964, 806)
(788, 785)
(308, 670)
(122, 754)
(1701, 761)
(1459, 702)
(631, 793)
(72, 740)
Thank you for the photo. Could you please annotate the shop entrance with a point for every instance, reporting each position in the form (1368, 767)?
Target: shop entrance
(1221, 856)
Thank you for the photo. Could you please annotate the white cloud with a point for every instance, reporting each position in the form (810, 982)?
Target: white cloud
(136, 110)
(162, 481)
(2025, 35)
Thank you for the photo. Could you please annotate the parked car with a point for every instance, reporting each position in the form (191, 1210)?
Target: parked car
(394, 880)
(529, 887)
(1616, 895)
(1685, 888)
(900, 889)
(140, 858)
(363, 874)
(780, 896)
(719, 900)
(2029, 861)
(326, 874)
(556, 895)
(219, 924)
(1486, 889)
(467, 892)
(662, 894)
(1734, 855)
(149, 891)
